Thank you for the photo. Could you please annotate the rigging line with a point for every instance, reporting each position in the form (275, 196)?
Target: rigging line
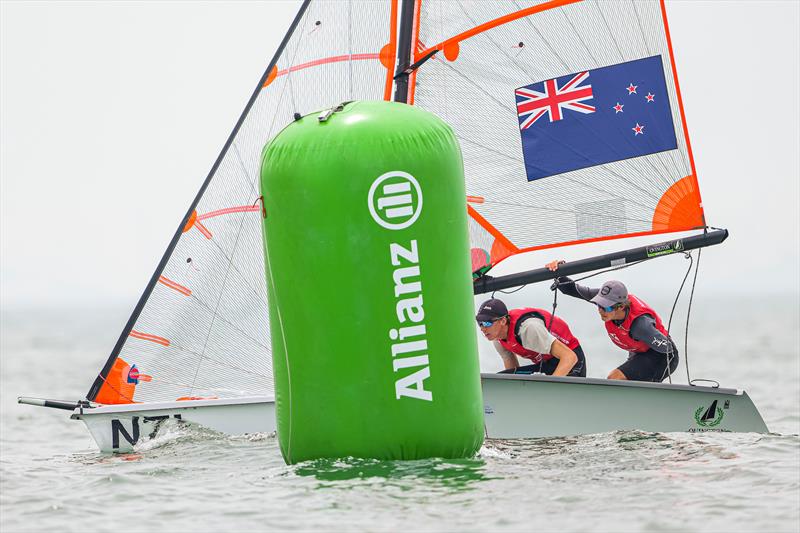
(581, 183)
(688, 312)
(545, 41)
(252, 180)
(219, 300)
(501, 291)
(688, 256)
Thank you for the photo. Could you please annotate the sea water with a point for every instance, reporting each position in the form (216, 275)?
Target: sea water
(52, 478)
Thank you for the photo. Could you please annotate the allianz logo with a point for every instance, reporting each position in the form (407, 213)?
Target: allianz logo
(395, 200)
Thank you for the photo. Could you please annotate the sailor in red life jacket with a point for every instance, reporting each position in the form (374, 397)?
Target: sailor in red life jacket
(533, 334)
(632, 325)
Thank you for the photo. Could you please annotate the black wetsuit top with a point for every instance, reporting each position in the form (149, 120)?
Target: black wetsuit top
(643, 329)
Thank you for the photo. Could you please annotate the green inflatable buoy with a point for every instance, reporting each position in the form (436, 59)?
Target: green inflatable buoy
(368, 275)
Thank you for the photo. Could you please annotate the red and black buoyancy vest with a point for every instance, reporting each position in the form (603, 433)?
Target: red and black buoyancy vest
(558, 329)
(621, 334)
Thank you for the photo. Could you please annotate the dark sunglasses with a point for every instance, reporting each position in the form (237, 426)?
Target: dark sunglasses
(607, 309)
(487, 323)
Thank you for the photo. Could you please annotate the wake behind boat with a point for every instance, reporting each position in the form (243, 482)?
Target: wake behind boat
(572, 130)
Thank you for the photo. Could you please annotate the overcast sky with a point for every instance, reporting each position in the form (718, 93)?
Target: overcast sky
(113, 113)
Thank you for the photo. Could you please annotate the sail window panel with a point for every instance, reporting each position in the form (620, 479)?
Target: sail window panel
(596, 219)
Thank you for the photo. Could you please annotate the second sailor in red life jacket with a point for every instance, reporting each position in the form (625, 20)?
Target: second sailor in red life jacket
(533, 334)
(632, 325)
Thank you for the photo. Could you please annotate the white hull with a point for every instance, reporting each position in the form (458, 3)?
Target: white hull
(118, 428)
(529, 406)
(515, 406)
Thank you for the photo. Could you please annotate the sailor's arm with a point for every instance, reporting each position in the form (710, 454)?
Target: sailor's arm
(643, 329)
(566, 358)
(569, 287)
(509, 359)
(534, 336)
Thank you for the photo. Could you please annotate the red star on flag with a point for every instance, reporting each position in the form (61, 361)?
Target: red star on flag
(618, 108)
(632, 88)
(650, 97)
(638, 129)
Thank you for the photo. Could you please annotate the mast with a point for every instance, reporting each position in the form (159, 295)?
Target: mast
(489, 284)
(404, 51)
(98, 382)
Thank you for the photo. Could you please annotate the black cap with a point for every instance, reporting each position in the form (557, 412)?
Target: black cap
(491, 310)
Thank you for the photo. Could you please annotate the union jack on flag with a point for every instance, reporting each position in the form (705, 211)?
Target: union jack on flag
(533, 105)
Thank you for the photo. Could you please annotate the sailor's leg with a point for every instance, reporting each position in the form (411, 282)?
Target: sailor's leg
(617, 374)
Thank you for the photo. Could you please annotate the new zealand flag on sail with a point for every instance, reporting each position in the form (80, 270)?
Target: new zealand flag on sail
(594, 117)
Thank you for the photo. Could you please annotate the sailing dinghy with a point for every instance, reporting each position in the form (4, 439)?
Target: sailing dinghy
(572, 130)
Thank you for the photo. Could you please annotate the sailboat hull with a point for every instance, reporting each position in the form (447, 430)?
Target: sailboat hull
(515, 406)
(119, 428)
(530, 406)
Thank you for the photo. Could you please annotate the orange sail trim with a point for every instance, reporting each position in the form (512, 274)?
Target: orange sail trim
(202, 229)
(147, 337)
(502, 247)
(680, 107)
(451, 45)
(599, 239)
(172, 285)
(388, 53)
(322, 61)
(475, 199)
(679, 207)
(230, 210)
